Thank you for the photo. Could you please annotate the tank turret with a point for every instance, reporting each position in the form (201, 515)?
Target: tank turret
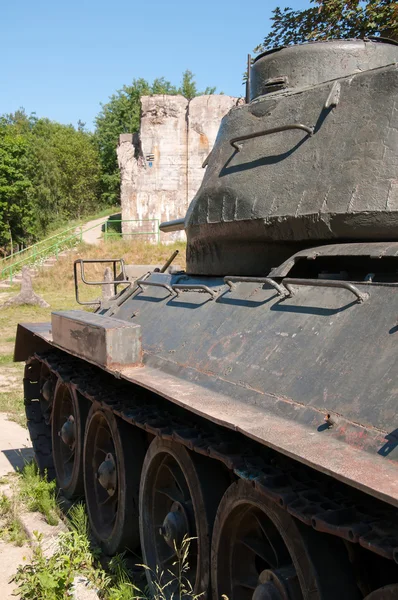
(312, 158)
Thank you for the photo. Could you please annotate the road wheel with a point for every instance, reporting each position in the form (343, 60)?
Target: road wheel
(69, 413)
(179, 495)
(260, 552)
(113, 456)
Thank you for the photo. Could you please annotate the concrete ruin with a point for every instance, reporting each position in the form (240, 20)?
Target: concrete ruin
(161, 167)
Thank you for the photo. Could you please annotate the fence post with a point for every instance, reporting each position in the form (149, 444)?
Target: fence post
(106, 231)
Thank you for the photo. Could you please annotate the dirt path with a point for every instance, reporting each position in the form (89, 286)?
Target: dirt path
(94, 235)
(15, 449)
(15, 446)
(10, 557)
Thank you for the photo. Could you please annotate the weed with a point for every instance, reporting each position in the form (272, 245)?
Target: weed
(42, 578)
(11, 530)
(39, 494)
(121, 586)
(168, 584)
(4, 480)
(10, 339)
(52, 578)
(5, 505)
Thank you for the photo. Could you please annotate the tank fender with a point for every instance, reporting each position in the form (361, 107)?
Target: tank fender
(31, 338)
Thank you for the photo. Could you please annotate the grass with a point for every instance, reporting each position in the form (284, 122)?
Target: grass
(6, 359)
(29, 491)
(38, 494)
(52, 578)
(11, 527)
(12, 404)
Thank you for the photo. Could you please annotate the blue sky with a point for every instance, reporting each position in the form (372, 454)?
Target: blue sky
(61, 59)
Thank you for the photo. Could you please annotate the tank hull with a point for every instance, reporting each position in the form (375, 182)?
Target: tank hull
(295, 374)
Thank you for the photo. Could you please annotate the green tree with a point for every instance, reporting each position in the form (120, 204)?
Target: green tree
(121, 114)
(49, 173)
(326, 19)
(16, 209)
(65, 172)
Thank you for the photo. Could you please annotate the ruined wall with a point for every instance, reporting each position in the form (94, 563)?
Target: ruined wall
(161, 168)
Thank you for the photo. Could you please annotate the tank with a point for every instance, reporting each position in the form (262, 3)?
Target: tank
(249, 404)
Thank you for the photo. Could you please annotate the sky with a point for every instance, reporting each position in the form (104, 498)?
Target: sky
(62, 58)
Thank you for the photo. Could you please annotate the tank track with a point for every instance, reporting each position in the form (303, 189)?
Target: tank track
(315, 499)
(39, 429)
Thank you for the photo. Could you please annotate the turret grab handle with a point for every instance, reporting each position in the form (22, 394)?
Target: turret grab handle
(250, 136)
(361, 296)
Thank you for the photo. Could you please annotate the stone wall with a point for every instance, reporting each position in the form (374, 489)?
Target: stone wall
(161, 167)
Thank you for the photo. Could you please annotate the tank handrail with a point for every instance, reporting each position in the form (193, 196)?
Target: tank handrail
(144, 282)
(115, 282)
(234, 142)
(177, 287)
(230, 281)
(83, 261)
(289, 281)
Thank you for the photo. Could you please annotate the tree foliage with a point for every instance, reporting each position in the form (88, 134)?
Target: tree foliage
(326, 19)
(65, 172)
(121, 114)
(16, 209)
(49, 173)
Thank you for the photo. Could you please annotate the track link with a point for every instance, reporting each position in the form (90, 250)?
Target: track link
(315, 499)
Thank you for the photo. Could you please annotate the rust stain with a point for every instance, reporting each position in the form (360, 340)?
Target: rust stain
(203, 142)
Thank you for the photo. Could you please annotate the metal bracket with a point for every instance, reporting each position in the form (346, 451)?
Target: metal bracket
(115, 282)
(230, 281)
(361, 296)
